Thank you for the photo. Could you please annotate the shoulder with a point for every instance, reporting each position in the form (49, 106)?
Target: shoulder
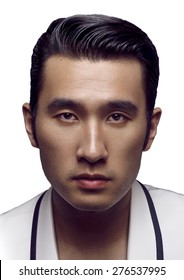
(167, 203)
(15, 229)
(22, 211)
(163, 197)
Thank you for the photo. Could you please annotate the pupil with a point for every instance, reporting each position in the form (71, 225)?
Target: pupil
(68, 116)
(117, 117)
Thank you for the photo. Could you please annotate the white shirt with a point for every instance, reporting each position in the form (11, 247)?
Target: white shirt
(16, 226)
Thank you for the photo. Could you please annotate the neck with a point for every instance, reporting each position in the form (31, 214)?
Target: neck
(91, 235)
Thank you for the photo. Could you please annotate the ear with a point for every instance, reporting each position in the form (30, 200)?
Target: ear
(29, 125)
(153, 127)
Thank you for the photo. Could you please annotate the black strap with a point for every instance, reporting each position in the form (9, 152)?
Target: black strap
(158, 234)
(34, 228)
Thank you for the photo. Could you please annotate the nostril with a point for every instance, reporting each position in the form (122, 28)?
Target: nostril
(85, 154)
(90, 161)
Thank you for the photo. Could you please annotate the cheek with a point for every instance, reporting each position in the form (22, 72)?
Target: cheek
(130, 142)
(56, 151)
(54, 139)
(127, 151)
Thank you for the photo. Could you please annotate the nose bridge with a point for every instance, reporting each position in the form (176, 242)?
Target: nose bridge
(92, 146)
(93, 137)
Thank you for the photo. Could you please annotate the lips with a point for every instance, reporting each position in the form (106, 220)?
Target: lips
(91, 182)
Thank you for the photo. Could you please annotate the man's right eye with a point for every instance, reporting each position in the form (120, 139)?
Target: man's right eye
(69, 117)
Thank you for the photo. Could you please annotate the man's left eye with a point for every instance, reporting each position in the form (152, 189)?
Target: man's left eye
(117, 117)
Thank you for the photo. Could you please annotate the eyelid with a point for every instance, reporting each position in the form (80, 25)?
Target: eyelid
(123, 115)
(67, 120)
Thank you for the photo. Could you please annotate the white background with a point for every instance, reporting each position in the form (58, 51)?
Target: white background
(21, 23)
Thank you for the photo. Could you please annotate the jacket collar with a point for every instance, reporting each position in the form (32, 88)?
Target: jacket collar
(141, 241)
(46, 241)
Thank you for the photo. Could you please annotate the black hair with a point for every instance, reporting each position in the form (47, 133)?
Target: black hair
(96, 37)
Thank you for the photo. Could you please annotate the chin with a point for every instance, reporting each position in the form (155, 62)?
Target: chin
(88, 203)
(92, 206)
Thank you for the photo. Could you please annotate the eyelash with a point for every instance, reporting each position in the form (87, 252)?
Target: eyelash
(70, 117)
(120, 116)
(65, 114)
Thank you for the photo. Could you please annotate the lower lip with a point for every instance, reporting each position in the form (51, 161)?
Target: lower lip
(92, 184)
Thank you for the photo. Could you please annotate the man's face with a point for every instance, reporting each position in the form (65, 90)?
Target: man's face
(90, 129)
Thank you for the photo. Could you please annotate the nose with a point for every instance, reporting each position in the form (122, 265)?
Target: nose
(92, 148)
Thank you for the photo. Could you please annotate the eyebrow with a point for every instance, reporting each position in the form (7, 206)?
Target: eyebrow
(122, 105)
(61, 103)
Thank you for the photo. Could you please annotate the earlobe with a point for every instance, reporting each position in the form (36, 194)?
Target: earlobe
(153, 127)
(29, 124)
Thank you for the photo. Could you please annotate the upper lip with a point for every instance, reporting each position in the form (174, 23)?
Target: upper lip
(91, 177)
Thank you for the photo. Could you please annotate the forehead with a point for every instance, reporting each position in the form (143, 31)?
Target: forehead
(98, 81)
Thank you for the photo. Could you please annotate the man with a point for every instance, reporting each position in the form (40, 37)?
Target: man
(91, 115)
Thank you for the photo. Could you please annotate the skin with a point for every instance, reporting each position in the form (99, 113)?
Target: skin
(94, 134)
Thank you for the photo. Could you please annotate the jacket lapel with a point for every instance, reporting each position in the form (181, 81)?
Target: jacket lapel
(141, 241)
(46, 243)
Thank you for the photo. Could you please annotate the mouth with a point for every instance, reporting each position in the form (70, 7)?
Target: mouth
(91, 181)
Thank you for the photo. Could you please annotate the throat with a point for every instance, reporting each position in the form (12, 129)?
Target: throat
(92, 235)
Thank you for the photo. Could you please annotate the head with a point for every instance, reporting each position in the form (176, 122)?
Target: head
(93, 44)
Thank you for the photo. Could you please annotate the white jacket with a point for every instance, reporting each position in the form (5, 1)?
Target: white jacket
(16, 227)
